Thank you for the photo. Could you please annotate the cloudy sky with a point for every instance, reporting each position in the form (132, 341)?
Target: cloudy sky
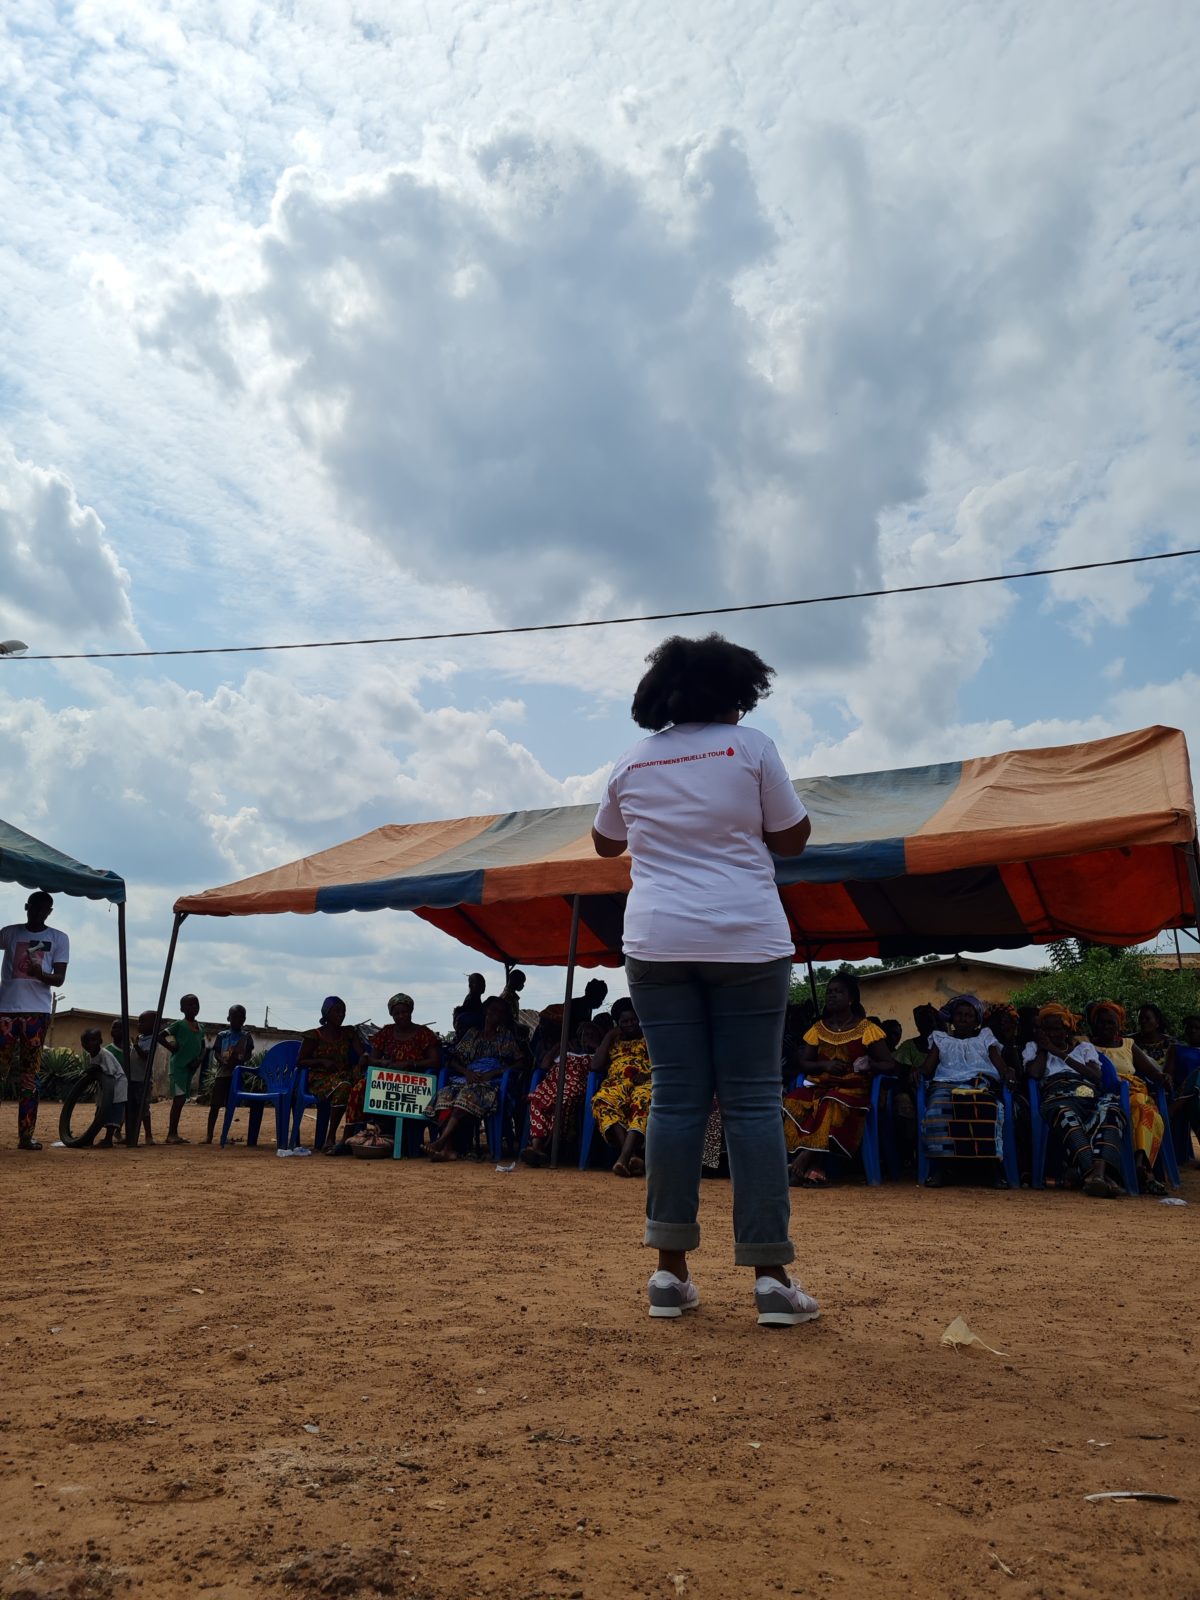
(340, 316)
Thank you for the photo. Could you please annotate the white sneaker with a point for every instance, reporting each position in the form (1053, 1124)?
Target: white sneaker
(783, 1305)
(671, 1296)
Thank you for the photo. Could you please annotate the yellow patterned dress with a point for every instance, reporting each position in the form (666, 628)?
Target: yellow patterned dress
(1145, 1123)
(828, 1110)
(623, 1099)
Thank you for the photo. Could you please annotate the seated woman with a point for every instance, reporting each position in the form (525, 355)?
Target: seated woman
(1153, 1037)
(331, 1053)
(827, 1112)
(543, 1100)
(621, 1104)
(1086, 1119)
(400, 1043)
(1106, 1024)
(964, 1071)
(478, 1060)
(1183, 1069)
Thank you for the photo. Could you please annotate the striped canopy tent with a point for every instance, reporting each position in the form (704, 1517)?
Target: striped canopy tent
(1096, 840)
(34, 865)
(29, 862)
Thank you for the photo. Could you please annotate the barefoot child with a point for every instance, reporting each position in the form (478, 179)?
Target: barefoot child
(233, 1048)
(139, 1069)
(111, 1066)
(185, 1040)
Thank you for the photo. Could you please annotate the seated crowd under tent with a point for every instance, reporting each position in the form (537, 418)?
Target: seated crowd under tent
(972, 1094)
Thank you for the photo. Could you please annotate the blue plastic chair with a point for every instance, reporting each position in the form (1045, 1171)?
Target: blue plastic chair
(1039, 1135)
(879, 1134)
(277, 1070)
(1167, 1158)
(1012, 1171)
(302, 1101)
(493, 1123)
(1040, 1130)
(1165, 1165)
(1181, 1140)
(1166, 1168)
(1110, 1083)
(587, 1128)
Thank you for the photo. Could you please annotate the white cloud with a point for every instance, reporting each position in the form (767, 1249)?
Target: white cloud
(62, 580)
(572, 311)
(178, 790)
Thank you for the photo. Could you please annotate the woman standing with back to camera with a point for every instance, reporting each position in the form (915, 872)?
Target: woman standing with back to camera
(701, 805)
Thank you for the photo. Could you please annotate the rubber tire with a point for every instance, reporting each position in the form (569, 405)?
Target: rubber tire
(103, 1085)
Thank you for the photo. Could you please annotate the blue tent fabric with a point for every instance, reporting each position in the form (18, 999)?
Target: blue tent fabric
(27, 861)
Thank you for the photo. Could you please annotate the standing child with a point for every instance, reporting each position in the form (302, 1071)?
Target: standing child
(233, 1048)
(140, 1068)
(109, 1063)
(185, 1040)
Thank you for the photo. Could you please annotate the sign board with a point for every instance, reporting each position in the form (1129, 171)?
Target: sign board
(398, 1092)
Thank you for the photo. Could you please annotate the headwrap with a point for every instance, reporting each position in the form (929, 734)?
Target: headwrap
(1111, 1006)
(401, 1000)
(329, 1002)
(1001, 1009)
(975, 1003)
(1054, 1012)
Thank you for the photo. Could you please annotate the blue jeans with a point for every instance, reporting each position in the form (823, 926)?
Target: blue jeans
(715, 1027)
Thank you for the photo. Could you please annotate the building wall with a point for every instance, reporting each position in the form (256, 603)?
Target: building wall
(895, 994)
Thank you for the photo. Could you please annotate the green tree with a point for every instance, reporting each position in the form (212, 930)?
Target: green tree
(1126, 976)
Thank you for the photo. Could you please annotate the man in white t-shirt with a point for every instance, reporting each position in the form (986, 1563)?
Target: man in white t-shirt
(34, 963)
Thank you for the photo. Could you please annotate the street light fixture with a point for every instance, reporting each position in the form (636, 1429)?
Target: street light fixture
(13, 647)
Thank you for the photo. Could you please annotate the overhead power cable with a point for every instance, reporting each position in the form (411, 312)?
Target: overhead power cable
(610, 622)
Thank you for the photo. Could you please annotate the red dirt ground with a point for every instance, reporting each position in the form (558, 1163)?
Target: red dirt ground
(498, 1417)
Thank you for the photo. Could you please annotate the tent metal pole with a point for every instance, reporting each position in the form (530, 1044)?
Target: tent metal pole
(158, 1016)
(123, 968)
(1194, 880)
(812, 978)
(564, 1037)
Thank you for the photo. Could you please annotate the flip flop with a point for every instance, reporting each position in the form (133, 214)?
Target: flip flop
(1100, 1189)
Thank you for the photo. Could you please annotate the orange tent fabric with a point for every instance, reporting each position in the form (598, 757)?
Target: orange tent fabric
(999, 851)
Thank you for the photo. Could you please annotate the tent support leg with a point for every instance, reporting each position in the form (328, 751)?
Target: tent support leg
(812, 980)
(1194, 879)
(565, 1036)
(123, 968)
(157, 1028)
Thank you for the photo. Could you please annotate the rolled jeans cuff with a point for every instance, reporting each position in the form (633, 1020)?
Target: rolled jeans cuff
(672, 1235)
(764, 1255)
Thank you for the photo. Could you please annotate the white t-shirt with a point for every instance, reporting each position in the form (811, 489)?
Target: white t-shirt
(963, 1060)
(693, 802)
(26, 952)
(1085, 1050)
(110, 1065)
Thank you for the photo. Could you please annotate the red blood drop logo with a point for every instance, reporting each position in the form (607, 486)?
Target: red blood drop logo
(729, 752)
